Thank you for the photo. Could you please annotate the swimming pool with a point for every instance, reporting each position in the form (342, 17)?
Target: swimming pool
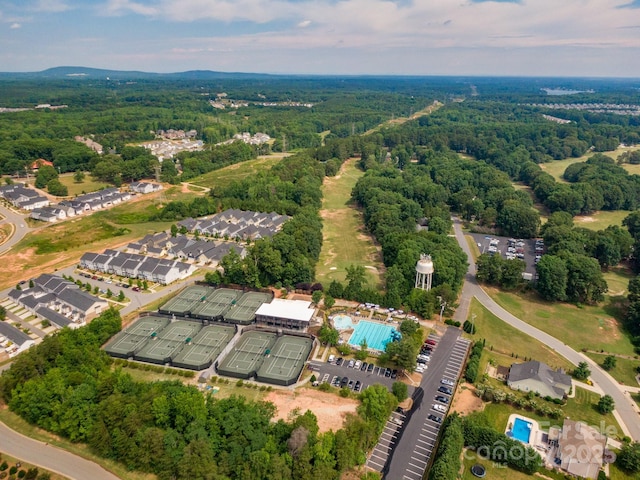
(521, 430)
(377, 335)
(342, 322)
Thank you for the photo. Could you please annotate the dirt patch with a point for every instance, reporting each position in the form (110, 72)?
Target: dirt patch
(330, 409)
(585, 219)
(466, 401)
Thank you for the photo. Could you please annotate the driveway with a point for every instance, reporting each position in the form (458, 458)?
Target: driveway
(625, 411)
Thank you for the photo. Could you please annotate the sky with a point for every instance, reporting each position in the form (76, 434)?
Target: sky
(593, 38)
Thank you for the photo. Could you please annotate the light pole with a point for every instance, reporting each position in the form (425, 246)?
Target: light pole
(473, 324)
(442, 306)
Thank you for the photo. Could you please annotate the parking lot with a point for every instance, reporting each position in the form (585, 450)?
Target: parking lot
(415, 441)
(528, 248)
(331, 372)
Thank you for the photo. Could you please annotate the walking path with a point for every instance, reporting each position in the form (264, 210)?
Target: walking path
(626, 411)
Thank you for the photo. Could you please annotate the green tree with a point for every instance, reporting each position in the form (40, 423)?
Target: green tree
(121, 296)
(518, 220)
(582, 372)
(316, 296)
(45, 174)
(605, 404)
(355, 282)
(399, 390)
(328, 335)
(55, 187)
(629, 457)
(78, 177)
(329, 301)
(336, 289)
(609, 362)
(3, 313)
(174, 230)
(552, 278)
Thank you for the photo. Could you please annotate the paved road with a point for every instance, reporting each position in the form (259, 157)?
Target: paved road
(21, 228)
(49, 457)
(626, 412)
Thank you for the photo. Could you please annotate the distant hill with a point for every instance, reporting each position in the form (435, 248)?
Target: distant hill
(100, 73)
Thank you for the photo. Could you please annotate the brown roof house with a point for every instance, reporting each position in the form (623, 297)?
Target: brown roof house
(534, 376)
(581, 449)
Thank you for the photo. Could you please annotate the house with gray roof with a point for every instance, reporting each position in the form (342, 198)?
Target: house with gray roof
(14, 341)
(534, 376)
(55, 318)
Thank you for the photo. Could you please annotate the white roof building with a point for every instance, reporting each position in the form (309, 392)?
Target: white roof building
(286, 313)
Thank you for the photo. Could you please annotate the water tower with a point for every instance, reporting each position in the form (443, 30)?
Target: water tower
(424, 272)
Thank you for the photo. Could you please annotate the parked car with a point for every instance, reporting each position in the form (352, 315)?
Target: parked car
(351, 384)
(371, 367)
(435, 418)
(394, 373)
(332, 358)
(439, 408)
(344, 382)
(339, 361)
(387, 372)
(351, 364)
(445, 390)
(357, 365)
(364, 366)
(446, 381)
(442, 399)
(357, 386)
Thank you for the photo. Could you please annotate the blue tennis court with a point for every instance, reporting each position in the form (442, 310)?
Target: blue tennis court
(377, 335)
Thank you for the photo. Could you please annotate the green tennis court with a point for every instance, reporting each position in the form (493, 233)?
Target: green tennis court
(247, 357)
(124, 345)
(180, 331)
(204, 347)
(286, 360)
(158, 350)
(145, 326)
(244, 310)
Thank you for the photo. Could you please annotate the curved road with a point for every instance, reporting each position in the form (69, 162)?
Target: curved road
(20, 228)
(49, 457)
(625, 407)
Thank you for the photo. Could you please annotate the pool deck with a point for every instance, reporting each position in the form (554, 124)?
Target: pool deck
(535, 437)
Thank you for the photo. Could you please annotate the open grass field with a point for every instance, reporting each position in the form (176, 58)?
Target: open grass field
(86, 186)
(16, 423)
(506, 340)
(590, 327)
(557, 168)
(345, 240)
(616, 474)
(237, 171)
(618, 280)
(624, 371)
(394, 122)
(601, 219)
(494, 470)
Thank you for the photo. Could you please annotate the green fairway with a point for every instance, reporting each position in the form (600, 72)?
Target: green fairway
(557, 168)
(503, 341)
(345, 241)
(617, 279)
(601, 219)
(237, 171)
(588, 327)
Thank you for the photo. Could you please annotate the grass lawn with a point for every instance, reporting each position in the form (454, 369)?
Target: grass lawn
(473, 246)
(617, 279)
(587, 327)
(494, 470)
(506, 340)
(86, 186)
(27, 466)
(624, 371)
(345, 241)
(237, 171)
(616, 474)
(601, 220)
(16, 423)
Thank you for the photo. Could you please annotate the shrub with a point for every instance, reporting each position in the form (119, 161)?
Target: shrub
(239, 383)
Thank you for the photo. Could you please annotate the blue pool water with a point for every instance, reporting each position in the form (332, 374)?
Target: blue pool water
(521, 430)
(342, 322)
(377, 335)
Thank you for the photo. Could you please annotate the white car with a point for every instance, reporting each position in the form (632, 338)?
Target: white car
(439, 408)
(446, 381)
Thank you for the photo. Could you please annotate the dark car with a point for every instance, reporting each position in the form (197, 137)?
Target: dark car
(371, 367)
(394, 373)
(364, 366)
(446, 390)
(387, 372)
(339, 361)
(442, 399)
(357, 386)
(337, 381)
(344, 382)
(350, 384)
(435, 418)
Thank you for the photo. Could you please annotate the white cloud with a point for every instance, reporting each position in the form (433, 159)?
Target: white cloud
(15, 26)
(304, 24)
(51, 6)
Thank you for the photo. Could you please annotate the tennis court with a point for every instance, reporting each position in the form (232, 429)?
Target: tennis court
(180, 331)
(146, 326)
(204, 347)
(159, 350)
(124, 345)
(377, 335)
(245, 360)
(209, 311)
(187, 300)
(286, 360)
(244, 310)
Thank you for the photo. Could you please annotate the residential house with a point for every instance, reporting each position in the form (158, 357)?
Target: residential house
(144, 187)
(581, 449)
(14, 341)
(534, 376)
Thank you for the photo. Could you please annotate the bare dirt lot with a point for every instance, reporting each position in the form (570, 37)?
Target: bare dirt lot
(329, 408)
(466, 401)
